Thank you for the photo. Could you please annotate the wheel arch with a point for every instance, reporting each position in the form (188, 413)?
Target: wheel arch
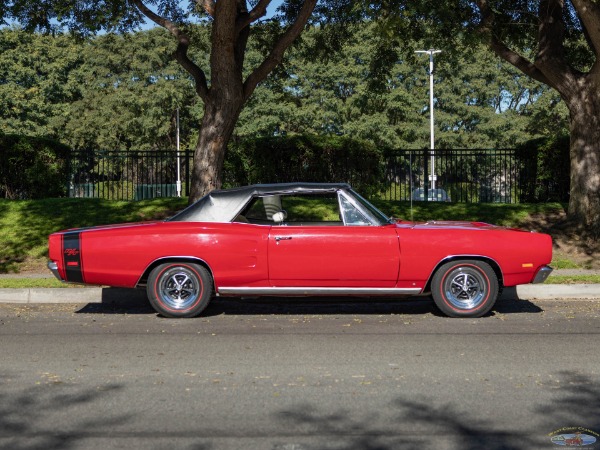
(492, 263)
(142, 281)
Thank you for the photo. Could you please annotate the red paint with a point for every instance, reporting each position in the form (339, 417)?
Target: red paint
(244, 255)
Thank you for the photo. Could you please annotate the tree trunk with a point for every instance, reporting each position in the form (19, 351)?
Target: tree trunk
(225, 98)
(584, 201)
(217, 127)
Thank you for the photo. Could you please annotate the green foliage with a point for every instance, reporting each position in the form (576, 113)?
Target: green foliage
(376, 90)
(32, 167)
(36, 89)
(131, 88)
(109, 92)
(307, 158)
(547, 162)
(121, 92)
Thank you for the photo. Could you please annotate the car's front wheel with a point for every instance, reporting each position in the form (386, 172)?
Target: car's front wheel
(466, 288)
(179, 289)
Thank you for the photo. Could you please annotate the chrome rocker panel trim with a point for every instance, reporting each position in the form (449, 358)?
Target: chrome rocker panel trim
(309, 291)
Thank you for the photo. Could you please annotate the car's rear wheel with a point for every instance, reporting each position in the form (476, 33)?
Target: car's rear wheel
(179, 289)
(466, 288)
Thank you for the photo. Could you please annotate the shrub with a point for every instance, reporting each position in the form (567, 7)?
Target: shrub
(546, 165)
(32, 167)
(306, 158)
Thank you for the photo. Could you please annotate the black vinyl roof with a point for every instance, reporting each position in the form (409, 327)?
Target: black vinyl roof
(225, 204)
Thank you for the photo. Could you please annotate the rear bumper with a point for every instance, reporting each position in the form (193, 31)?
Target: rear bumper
(54, 269)
(542, 274)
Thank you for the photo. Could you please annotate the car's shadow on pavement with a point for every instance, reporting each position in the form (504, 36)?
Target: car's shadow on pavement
(134, 301)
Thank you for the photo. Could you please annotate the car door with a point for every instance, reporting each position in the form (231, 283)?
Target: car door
(337, 253)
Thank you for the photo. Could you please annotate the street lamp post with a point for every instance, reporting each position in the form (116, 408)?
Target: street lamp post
(431, 52)
(178, 156)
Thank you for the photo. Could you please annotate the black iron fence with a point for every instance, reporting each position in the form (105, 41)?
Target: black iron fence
(468, 176)
(129, 175)
(474, 176)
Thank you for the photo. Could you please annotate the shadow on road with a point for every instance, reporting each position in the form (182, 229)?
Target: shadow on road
(134, 301)
(423, 424)
(26, 415)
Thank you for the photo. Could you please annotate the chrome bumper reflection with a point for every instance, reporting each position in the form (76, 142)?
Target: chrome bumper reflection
(542, 274)
(54, 269)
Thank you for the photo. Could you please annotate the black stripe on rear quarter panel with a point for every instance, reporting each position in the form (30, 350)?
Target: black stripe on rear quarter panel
(72, 257)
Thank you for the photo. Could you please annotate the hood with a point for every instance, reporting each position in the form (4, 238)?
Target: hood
(451, 224)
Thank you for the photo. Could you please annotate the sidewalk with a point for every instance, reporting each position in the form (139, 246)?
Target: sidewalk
(99, 294)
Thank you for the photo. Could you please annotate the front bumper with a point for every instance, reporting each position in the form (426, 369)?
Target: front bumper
(54, 269)
(542, 274)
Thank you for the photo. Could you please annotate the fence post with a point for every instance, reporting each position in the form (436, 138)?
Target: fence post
(187, 172)
(426, 174)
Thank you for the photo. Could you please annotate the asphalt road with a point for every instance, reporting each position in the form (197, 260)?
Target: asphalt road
(297, 375)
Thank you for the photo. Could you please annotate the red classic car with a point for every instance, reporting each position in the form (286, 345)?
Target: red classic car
(300, 239)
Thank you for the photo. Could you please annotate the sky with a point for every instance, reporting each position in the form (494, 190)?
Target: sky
(270, 12)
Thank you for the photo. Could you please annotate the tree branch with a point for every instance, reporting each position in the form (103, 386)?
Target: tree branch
(257, 12)
(486, 27)
(276, 55)
(550, 58)
(183, 43)
(209, 7)
(589, 15)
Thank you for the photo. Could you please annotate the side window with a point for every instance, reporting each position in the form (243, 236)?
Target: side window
(303, 209)
(312, 209)
(352, 216)
(256, 210)
(260, 210)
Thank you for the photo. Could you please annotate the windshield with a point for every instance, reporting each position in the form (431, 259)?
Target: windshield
(375, 212)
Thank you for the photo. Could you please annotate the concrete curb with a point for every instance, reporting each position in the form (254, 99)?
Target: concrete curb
(559, 291)
(51, 295)
(100, 295)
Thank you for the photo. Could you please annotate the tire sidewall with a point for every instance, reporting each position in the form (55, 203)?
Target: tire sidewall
(201, 277)
(483, 270)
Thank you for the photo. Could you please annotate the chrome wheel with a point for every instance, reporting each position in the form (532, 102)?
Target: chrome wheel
(179, 288)
(465, 288)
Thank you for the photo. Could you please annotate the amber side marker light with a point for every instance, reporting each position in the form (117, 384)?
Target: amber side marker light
(527, 265)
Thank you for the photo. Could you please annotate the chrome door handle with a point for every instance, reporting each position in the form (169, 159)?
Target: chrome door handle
(283, 238)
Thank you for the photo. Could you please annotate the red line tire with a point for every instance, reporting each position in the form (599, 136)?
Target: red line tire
(179, 289)
(467, 288)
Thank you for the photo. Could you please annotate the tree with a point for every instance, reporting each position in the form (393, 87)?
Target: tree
(124, 89)
(129, 93)
(555, 42)
(565, 38)
(35, 88)
(224, 87)
(481, 101)
(228, 90)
